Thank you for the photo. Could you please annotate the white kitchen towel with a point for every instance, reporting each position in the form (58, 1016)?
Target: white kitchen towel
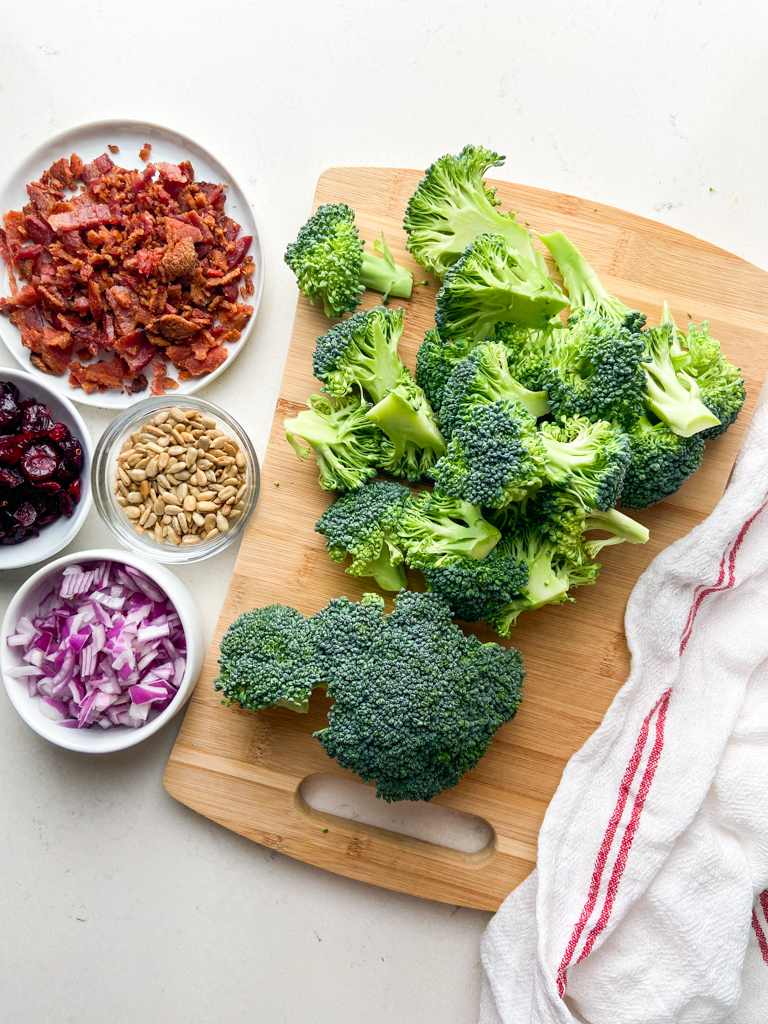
(649, 903)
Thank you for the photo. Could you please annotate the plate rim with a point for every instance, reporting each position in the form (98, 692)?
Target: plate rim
(127, 401)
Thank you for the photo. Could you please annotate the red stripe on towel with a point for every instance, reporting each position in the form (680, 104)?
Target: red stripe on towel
(760, 933)
(605, 847)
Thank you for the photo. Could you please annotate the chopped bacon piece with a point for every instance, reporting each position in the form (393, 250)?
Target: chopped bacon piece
(106, 374)
(113, 149)
(56, 339)
(103, 163)
(240, 248)
(176, 229)
(144, 152)
(213, 359)
(26, 297)
(38, 229)
(76, 165)
(180, 260)
(84, 215)
(174, 327)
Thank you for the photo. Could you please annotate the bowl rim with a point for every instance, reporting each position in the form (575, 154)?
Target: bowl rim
(125, 738)
(117, 429)
(33, 384)
(130, 401)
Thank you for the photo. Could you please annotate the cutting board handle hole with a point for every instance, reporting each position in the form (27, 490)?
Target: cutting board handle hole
(441, 826)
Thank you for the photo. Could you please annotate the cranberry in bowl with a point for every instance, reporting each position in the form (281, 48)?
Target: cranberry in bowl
(100, 649)
(45, 463)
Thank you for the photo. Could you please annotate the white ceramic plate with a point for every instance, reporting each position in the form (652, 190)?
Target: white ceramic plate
(89, 141)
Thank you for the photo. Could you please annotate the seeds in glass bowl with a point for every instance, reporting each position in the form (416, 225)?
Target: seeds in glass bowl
(179, 479)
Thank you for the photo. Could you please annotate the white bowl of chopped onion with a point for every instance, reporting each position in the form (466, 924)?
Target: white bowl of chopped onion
(100, 649)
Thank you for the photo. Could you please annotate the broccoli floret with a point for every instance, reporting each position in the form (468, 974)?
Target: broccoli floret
(595, 370)
(435, 363)
(363, 524)
(526, 349)
(589, 459)
(560, 515)
(481, 377)
(720, 382)
(330, 263)
(494, 456)
(415, 701)
(436, 530)
(661, 461)
(363, 351)
(268, 658)
(672, 394)
(584, 287)
(346, 443)
(478, 590)
(492, 282)
(452, 206)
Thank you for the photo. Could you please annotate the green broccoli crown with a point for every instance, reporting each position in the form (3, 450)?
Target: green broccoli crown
(326, 259)
(268, 657)
(437, 529)
(492, 282)
(720, 382)
(526, 349)
(595, 370)
(452, 206)
(362, 351)
(584, 287)
(413, 439)
(415, 702)
(363, 523)
(559, 514)
(346, 444)
(435, 363)
(672, 394)
(478, 590)
(589, 459)
(494, 456)
(482, 377)
(661, 461)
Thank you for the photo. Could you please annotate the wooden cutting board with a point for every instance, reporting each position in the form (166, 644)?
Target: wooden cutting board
(245, 770)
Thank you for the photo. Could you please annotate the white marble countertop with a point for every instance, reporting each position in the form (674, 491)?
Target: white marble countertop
(118, 904)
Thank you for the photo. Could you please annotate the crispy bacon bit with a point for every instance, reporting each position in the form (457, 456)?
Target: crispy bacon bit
(139, 264)
(113, 149)
(180, 260)
(144, 152)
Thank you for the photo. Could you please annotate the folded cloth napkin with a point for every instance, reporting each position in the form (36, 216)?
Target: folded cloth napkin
(649, 903)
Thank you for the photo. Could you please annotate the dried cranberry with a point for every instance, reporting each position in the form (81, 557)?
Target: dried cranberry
(10, 477)
(59, 433)
(7, 387)
(11, 448)
(26, 514)
(39, 462)
(72, 451)
(48, 487)
(9, 409)
(74, 491)
(66, 505)
(26, 402)
(37, 420)
(64, 472)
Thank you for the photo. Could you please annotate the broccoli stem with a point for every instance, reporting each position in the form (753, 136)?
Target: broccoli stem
(623, 528)
(584, 287)
(565, 457)
(544, 585)
(388, 576)
(382, 275)
(671, 393)
(403, 421)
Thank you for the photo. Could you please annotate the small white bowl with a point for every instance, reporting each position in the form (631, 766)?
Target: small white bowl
(53, 537)
(27, 601)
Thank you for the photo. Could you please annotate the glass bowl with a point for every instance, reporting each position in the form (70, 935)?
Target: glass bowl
(103, 482)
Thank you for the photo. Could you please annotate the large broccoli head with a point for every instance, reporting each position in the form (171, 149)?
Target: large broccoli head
(415, 701)
(595, 370)
(661, 461)
(452, 206)
(363, 524)
(346, 443)
(493, 283)
(268, 658)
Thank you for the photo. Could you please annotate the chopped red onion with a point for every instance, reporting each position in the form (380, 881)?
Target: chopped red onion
(107, 648)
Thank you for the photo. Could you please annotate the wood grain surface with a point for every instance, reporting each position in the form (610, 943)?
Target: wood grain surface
(245, 770)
